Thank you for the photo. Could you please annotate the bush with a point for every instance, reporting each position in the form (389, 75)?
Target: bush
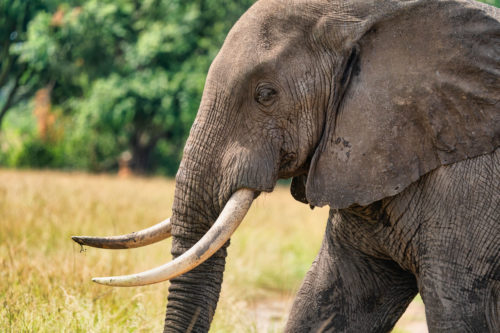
(35, 154)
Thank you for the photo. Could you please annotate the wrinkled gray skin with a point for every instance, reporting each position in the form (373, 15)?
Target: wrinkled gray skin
(386, 111)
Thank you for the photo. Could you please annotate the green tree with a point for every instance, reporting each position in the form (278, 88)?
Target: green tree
(495, 3)
(17, 80)
(129, 74)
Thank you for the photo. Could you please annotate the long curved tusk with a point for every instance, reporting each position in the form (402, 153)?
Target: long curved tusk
(140, 238)
(229, 219)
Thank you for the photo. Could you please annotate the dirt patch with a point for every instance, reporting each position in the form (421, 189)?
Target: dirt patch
(271, 315)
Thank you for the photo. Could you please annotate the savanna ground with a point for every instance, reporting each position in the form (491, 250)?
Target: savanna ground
(45, 277)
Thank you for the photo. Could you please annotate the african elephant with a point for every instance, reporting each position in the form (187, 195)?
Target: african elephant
(388, 112)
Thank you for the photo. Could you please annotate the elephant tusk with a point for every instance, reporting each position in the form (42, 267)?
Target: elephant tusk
(229, 219)
(140, 238)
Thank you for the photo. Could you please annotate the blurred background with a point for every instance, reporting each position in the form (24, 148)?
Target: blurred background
(109, 87)
(89, 84)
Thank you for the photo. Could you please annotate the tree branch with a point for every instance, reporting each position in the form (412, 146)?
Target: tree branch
(6, 66)
(10, 98)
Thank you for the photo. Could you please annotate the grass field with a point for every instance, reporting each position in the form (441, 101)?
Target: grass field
(45, 277)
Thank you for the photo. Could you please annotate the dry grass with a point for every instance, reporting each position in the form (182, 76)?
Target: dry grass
(45, 279)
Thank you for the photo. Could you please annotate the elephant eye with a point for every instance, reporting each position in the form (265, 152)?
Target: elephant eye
(265, 95)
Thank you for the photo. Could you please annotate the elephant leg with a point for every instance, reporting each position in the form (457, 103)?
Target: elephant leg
(456, 246)
(348, 290)
(460, 282)
(480, 312)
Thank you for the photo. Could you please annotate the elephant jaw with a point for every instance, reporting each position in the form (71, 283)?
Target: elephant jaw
(226, 224)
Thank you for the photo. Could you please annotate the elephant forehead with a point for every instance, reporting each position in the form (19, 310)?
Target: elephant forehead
(269, 34)
(266, 23)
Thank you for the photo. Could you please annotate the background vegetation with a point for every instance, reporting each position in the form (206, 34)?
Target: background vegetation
(85, 83)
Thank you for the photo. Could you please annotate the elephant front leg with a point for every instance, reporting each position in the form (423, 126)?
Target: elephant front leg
(349, 291)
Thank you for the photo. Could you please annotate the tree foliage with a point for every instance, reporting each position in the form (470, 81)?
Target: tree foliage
(18, 80)
(126, 75)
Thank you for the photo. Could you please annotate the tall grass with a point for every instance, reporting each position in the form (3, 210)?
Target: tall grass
(45, 281)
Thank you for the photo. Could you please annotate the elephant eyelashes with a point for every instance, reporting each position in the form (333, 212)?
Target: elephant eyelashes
(265, 95)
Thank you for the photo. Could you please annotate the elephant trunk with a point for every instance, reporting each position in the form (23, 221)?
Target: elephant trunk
(192, 296)
(198, 201)
(210, 244)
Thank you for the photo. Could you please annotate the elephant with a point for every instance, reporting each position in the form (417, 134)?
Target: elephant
(386, 111)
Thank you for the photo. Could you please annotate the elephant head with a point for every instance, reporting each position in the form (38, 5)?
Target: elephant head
(354, 99)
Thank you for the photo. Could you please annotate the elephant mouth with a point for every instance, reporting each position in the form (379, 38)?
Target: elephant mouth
(226, 224)
(287, 164)
(298, 188)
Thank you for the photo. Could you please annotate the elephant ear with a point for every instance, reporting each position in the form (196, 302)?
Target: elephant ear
(424, 93)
